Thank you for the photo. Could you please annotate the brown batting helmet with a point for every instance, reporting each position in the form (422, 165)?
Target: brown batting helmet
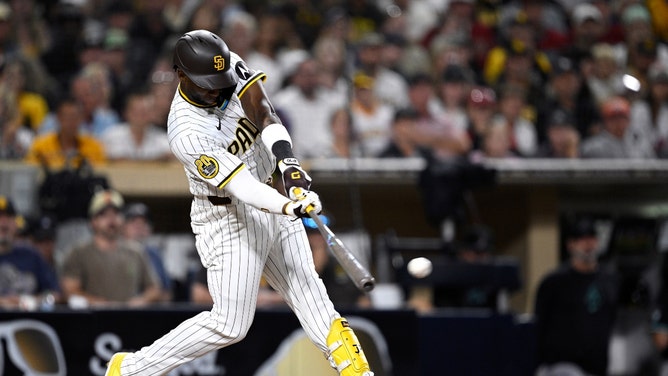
(205, 59)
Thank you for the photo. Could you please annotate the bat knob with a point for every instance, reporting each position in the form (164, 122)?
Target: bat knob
(369, 284)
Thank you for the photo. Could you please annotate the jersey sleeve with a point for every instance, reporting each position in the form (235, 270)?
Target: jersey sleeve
(247, 76)
(204, 158)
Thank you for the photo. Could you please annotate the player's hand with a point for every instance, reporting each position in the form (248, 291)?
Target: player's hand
(306, 202)
(293, 176)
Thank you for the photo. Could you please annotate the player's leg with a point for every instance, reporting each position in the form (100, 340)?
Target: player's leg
(234, 295)
(290, 270)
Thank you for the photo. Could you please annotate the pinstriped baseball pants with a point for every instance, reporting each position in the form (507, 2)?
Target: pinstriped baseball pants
(238, 243)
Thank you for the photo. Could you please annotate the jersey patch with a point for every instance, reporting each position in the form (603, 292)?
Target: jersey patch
(242, 71)
(207, 166)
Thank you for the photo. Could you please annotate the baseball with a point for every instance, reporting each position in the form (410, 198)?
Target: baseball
(419, 267)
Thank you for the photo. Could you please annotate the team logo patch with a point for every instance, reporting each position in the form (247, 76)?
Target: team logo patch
(219, 62)
(242, 71)
(207, 166)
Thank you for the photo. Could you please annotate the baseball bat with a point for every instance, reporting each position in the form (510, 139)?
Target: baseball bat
(355, 270)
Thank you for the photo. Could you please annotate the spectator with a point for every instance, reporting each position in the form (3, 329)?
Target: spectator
(476, 247)
(67, 32)
(575, 309)
(588, 26)
(389, 85)
(452, 93)
(606, 78)
(496, 140)
(137, 139)
(67, 146)
(454, 49)
(402, 143)
(371, 117)
(307, 108)
(15, 139)
(434, 132)
(568, 92)
(148, 32)
(527, 63)
(642, 55)
(138, 227)
(330, 52)
(650, 115)
(162, 84)
(42, 236)
(344, 144)
(115, 58)
(513, 110)
(480, 108)
(615, 140)
(25, 278)
(563, 139)
(92, 90)
(108, 270)
(342, 291)
(242, 31)
(32, 105)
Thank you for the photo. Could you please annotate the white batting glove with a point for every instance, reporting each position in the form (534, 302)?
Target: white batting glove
(305, 202)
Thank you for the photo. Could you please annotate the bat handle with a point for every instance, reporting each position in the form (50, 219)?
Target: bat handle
(297, 191)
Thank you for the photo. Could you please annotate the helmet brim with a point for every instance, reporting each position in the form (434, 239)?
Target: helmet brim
(217, 81)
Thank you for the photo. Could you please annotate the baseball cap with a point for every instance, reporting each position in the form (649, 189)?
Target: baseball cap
(137, 209)
(581, 227)
(6, 206)
(363, 81)
(478, 238)
(371, 39)
(43, 228)
(103, 200)
(615, 106)
(482, 96)
(116, 39)
(454, 73)
(563, 65)
(634, 13)
(586, 12)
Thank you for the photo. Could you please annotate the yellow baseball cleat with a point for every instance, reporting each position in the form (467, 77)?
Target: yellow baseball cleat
(114, 365)
(346, 354)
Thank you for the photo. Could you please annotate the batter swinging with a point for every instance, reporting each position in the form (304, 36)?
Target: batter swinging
(224, 130)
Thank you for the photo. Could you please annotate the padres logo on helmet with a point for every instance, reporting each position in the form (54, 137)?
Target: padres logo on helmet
(219, 62)
(207, 166)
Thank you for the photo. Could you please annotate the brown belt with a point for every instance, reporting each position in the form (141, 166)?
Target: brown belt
(218, 201)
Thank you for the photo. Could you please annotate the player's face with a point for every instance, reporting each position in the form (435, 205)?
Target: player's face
(197, 94)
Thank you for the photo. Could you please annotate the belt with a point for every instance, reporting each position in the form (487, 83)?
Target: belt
(218, 201)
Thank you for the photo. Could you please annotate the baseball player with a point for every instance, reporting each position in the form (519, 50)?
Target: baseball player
(224, 130)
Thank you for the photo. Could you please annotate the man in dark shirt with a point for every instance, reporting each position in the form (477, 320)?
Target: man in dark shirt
(576, 308)
(25, 278)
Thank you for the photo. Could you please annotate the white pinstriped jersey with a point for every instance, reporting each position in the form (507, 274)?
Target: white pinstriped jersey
(214, 145)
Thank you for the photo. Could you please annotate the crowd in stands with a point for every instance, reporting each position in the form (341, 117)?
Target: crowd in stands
(514, 78)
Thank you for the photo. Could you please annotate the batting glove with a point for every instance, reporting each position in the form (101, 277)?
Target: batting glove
(307, 201)
(293, 176)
